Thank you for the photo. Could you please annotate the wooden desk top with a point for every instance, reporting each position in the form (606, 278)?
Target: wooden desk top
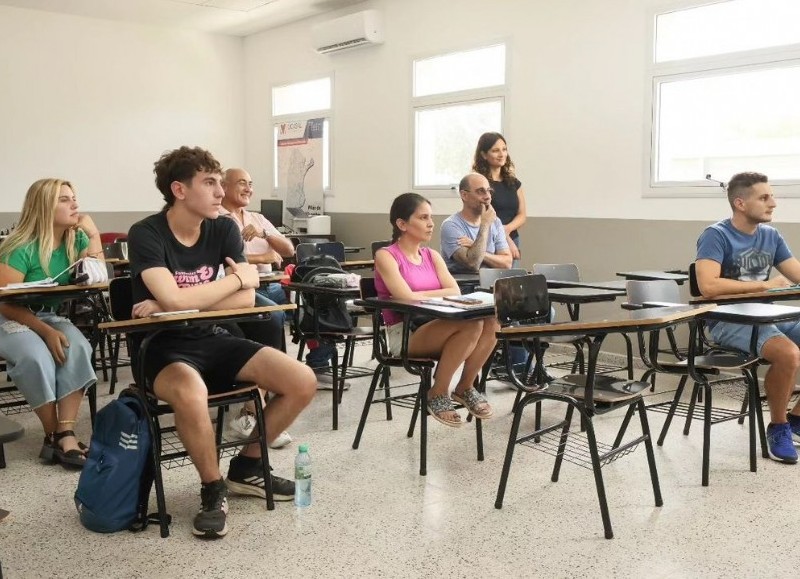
(618, 285)
(583, 294)
(651, 275)
(423, 307)
(272, 277)
(792, 293)
(625, 320)
(52, 291)
(753, 313)
(141, 324)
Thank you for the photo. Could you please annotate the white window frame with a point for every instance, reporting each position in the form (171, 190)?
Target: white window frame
(692, 68)
(326, 114)
(456, 98)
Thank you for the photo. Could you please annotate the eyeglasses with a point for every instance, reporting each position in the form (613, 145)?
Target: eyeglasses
(480, 191)
(243, 183)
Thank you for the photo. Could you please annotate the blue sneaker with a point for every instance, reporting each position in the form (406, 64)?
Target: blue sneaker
(794, 424)
(779, 441)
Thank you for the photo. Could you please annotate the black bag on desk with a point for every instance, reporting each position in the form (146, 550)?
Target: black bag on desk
(331, 310)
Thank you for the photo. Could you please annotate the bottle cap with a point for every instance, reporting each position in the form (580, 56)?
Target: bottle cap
(303, 447)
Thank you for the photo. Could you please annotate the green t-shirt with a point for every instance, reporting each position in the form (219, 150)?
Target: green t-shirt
(25, 259)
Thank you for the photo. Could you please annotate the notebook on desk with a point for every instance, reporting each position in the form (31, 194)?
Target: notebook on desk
(470, 301)
(30, 284)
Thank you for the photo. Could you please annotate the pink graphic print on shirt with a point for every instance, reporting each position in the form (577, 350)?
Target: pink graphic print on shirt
(204, 274)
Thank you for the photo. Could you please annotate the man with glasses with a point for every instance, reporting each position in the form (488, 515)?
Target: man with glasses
(474, 237)
(263, 246)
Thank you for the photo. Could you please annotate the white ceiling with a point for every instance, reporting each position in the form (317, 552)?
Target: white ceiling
(234, 17)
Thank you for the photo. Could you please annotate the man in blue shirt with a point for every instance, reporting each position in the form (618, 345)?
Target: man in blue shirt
(736, 256)
(474, 237)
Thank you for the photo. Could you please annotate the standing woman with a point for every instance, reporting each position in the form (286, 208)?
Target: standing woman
(493, 162)
(48, 358)
(408, 270)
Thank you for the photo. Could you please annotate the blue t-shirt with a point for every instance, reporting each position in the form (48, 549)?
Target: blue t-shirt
(743, 257)
(455, 227)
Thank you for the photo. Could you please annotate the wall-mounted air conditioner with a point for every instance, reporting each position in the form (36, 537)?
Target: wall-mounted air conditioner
(358, 29)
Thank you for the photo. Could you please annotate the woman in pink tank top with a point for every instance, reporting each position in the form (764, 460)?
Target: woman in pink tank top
(408, 270)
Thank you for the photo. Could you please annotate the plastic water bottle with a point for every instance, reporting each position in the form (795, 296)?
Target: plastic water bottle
(302, 477)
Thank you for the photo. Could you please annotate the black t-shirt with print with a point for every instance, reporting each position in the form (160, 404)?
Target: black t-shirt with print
(151, 243)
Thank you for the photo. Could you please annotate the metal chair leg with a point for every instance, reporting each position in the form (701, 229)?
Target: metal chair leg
(673, 407)
(651, 457)
(376, 375)
(690, 412)
(598, 480)
(706, 434)
(562, 444)
(512, 441)
(624, 426)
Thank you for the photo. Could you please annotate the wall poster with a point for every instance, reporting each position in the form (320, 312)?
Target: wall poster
(300, 166)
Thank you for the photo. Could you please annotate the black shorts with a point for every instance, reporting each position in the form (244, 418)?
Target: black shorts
(218, 357)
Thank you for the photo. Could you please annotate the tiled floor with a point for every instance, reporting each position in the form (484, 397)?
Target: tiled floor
(374, 516)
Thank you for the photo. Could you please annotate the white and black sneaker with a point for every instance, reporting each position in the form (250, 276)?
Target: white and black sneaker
(245, 477)
(211, 521)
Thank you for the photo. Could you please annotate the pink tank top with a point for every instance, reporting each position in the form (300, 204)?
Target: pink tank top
(422, 277)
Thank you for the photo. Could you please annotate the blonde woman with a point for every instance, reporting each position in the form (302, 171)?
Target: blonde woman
(47, 357)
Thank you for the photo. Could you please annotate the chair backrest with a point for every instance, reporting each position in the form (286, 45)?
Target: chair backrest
(557, 271)
(334, 249)
(376, 245)
(694, 289)
(664, 290)
(120, 296)
(521, 299)
(116, 250)
(111, 237)
(367, 285)
(488, 275)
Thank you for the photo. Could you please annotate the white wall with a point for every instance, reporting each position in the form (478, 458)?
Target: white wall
(97, 102)
(575, 114)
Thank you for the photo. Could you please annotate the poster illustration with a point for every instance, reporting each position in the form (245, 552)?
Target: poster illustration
(300, 166)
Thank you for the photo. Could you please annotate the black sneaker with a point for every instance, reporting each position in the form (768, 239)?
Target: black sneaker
(245, 478)
(210, 522)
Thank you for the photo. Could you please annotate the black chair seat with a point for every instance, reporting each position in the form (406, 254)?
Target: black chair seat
(608, 390)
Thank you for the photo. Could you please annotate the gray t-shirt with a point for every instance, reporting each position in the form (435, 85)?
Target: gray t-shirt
(455, 227)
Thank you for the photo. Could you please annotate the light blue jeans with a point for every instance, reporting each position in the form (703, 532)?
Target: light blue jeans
(32, 367)
(738, 335)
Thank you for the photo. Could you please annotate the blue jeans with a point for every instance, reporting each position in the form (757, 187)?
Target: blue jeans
(268, 332)
(32, 367)
(738, 335)
(320, 357)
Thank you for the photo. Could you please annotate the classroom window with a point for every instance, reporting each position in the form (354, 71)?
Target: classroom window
(301, 97)
(446, 138)
(726, 27)
(302, 101)
(725, 79)
(452, 107)
(456, 71)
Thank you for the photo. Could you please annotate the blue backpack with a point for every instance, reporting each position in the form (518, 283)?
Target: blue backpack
(115, 483)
